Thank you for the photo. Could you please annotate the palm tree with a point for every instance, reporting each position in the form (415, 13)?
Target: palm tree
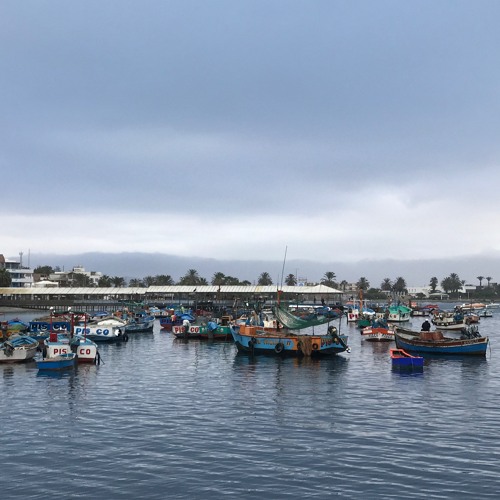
(218, 279)
(118, 281)
(399, 286)
(386, 285)
(265, 279)
(190, 278)
(291, 280)
(433, 284)
(343, 285)
(488, 279)
(329, 279)
(363, 284)
(135, 283)
(480, 278)
(104, 281)
(149, 281)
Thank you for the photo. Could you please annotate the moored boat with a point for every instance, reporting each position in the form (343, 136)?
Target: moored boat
(377, 333)
(470, 343)
(60, 362)
(102, 333)
(18, 348)
(251, 339)
(401, 359)
(449, 320)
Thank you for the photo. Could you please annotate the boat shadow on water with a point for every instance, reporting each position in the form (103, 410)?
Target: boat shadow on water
(334, 363)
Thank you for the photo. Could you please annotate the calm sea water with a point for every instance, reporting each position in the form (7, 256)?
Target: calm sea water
(163, 418)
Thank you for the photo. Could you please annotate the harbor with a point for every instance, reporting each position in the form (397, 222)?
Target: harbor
(163, 416)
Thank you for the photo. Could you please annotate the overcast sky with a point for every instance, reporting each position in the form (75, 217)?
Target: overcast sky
(233, 129)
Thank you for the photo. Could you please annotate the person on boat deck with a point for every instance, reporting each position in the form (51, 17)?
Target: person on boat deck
(426, 326)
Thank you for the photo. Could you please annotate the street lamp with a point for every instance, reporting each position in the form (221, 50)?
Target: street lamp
(51, 309)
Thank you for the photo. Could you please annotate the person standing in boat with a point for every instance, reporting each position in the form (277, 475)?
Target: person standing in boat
(426, 326)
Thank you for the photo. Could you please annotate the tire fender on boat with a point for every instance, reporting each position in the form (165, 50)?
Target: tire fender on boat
(315, 347)
(279, 347)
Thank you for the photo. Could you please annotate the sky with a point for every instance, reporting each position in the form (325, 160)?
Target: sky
(334, 131)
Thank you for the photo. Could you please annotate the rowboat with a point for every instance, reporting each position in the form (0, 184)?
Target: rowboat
(401, 359)
(470, 342)
(60, 362)
(17, 349)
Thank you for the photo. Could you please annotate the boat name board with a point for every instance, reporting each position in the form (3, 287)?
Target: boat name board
(79, 330)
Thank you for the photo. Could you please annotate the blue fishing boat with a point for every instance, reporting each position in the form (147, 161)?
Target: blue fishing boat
(60, 362)
(289, 340)
(401, 359)
(469, 343)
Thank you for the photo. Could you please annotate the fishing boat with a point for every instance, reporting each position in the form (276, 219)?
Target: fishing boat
(102, 333)
(140, 323)
(401, 359)
(396, 314)
(470, 342)
(449, 320)
(289, 340)
(378, 331)
(62, 343)
(485, 313)
(18, 348)
(217, 331)
(60, 362)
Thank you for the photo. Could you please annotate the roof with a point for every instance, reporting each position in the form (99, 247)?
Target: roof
(202, 289)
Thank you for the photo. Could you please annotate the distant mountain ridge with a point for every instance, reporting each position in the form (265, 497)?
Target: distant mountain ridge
(138, 265)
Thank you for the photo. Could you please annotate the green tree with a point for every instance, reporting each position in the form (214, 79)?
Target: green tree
(265, 279)
(452, 283)
(164, 280)
(399, 286)
(104, 281)
(5, 278)
(433, 284)
(329, 279)
(480, 278)
(118, 281)
(291, 280)
(343, 285)
(218, 279)
(363, 284)
(136, 283)
(44, 270)
(149, 281)
(488, 279)
(80, 280)
(191, 278)
(386, 285)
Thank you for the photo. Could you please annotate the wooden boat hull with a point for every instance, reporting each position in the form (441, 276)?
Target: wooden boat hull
(62, 362)
(18, 354)
(413, 343)
(253, 341)
(377, 334)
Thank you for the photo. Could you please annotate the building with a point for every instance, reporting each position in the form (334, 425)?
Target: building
(70, 278)
(21, 276)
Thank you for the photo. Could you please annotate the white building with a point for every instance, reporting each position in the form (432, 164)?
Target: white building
(22, 277)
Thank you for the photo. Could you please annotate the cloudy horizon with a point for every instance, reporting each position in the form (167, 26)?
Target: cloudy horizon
(344, 131)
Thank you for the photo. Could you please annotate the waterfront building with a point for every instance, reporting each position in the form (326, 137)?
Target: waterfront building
(21, 276)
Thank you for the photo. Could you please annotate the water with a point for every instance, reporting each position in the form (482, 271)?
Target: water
(163, 418)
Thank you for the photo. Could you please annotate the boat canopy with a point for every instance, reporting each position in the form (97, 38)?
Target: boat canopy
(289, 320)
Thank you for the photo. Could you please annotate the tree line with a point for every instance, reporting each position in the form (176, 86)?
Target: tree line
(451, 284)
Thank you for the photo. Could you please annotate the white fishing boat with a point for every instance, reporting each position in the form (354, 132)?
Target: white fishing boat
(18, 348)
